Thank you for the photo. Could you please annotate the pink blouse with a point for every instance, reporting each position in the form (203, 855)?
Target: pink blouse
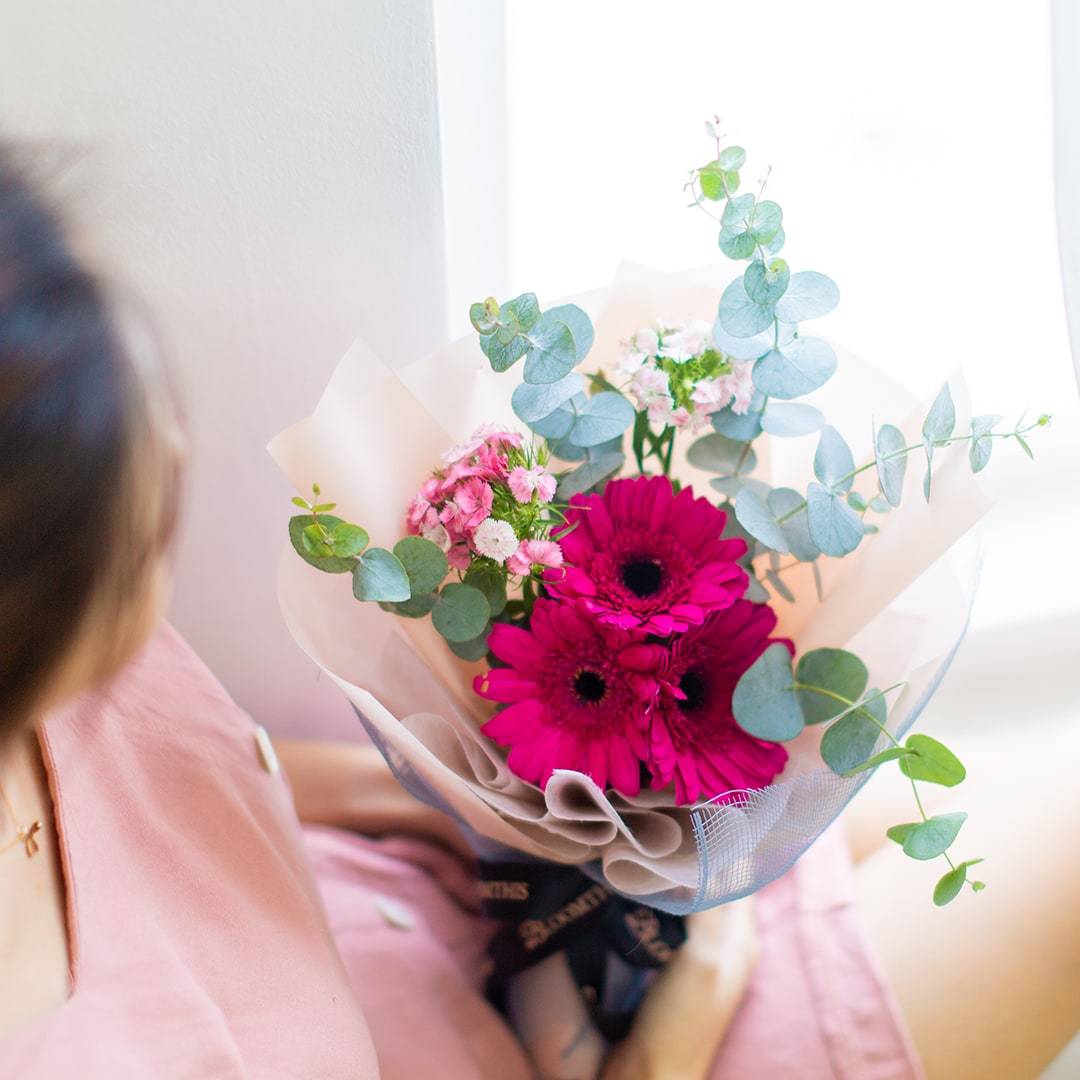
(198, 941)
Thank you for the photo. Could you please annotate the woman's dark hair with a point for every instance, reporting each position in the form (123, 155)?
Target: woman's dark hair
(77, 431)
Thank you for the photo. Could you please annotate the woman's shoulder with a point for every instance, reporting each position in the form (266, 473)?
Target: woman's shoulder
(165, 701)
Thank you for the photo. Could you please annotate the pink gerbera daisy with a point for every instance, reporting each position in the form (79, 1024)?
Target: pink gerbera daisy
(642, 556)
(576, 693)
(693, 738)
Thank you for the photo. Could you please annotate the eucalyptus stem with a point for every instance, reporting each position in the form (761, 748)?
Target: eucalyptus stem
(851, 705)
(1019, 432)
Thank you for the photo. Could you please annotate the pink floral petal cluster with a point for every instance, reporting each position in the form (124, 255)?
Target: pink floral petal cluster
(651, 388)
(453, 508)
(627, 668)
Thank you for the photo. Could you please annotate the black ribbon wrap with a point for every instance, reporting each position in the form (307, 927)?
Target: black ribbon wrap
(546, 908)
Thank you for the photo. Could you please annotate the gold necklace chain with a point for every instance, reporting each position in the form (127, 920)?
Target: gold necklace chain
(24, 834)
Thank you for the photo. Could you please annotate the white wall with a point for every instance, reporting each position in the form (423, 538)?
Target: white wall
(267, 175)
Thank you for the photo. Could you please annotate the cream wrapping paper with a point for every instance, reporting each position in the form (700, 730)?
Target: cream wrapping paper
(901, 601)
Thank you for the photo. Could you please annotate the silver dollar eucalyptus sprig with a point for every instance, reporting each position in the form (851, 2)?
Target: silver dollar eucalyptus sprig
(759, 321)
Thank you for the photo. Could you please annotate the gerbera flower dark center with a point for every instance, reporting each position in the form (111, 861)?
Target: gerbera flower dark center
(642, 576)
(696, 690)
(590, 686)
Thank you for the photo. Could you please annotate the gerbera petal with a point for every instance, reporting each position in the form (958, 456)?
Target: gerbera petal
(513, 645)
(624, 768)
(504, 684)
(517, 722)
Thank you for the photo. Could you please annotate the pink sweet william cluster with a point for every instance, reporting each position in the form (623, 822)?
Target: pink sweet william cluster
(627, 667)
(484, 503)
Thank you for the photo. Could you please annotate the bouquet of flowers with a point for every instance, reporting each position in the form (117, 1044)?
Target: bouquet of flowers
(646, 621)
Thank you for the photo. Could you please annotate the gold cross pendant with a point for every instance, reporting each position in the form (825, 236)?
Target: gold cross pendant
(27, 835)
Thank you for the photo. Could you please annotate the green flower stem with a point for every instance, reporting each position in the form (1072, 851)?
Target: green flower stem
(907, 450)
(666, 460)
(528, 595)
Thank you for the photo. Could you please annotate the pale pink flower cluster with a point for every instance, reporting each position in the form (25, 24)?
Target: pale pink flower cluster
(453, 507)
(652, 388)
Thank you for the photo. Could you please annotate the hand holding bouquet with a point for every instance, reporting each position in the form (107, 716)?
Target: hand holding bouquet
(661, 659)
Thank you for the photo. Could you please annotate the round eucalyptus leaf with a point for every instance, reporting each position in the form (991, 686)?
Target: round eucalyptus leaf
(475, 649)
(379, 575)
(484, 315)
(578, 323)
(736, 242)
(765, 221)
(502, 356)
(751, 348)
(719, 454)
(888, 442)
(809, 295)
(416, 607)
(777, 242)
(565, 450)
(591, 473)
(833, 461)
(550, 348)
(491, 581)
(739, 315)
(948, 887)
(834, 527)
(533, 402)
(836, 670)
(461, 612)
(711, 178)
(732, 485)
(557, 425)
(524, 310)
(731, 158)
(932, 761)
(764, 704)
(795, 369)
(328, 564)
(756, 518)
(765, 284)
(849, 742)
(348, 540)
(931, 838)
(742, 427)
(796, 529)
(786, 420)
(424, 562)
(603, 417)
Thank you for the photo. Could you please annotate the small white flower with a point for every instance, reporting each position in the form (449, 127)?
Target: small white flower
(680, 418)
(688, 342)
(660, 410)
(630, 363)
(495, 539)
(711, 394)
(646, 341)
(649, 385)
